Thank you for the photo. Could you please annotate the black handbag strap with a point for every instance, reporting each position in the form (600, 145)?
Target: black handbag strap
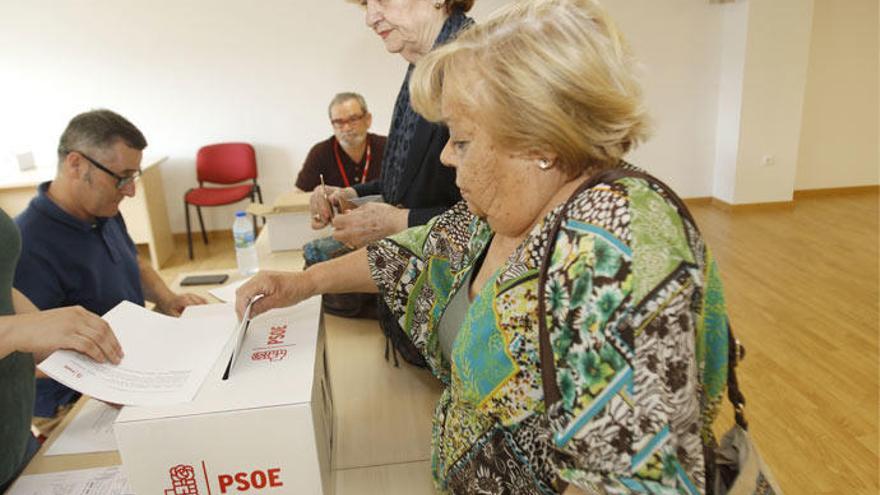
(735, 351)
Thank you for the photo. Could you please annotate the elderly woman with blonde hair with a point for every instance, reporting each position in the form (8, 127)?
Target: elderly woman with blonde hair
(568, 303)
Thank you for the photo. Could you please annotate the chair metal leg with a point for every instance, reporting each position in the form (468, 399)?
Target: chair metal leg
(253, 217)
(260, 198)
(189, 237)
(202, 225)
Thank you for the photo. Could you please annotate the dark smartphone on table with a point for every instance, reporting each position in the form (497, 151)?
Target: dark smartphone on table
(214, 279)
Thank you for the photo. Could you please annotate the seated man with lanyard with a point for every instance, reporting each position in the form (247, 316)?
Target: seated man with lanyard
(75, 246)
(351, 155)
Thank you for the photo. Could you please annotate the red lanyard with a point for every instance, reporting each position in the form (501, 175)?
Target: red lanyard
(342, 169)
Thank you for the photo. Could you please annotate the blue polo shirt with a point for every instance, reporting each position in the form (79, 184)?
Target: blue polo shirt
(66, 261)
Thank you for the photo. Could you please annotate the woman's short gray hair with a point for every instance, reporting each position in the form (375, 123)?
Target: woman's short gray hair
(542, 75)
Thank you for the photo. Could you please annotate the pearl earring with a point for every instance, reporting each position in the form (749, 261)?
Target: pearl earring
(545, 164)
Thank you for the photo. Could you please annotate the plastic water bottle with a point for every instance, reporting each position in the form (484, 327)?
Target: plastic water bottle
(245, 249)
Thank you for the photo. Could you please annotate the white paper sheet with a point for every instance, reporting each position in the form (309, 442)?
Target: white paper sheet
(90, 431)
(98, 481)
(166, 359)
(209, 310)
(362, 200)
(227, 292)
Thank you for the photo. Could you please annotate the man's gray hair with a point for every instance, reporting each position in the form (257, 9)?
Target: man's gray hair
(99, 129)
(343, 97)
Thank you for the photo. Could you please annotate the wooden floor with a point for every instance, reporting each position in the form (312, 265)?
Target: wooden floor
(802, 290)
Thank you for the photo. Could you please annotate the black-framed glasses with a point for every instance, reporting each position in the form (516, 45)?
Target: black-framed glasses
(338, 123)
(121, 180)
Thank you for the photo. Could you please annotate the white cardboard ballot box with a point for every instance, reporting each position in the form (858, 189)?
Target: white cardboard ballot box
(290, 226)
(267, 429)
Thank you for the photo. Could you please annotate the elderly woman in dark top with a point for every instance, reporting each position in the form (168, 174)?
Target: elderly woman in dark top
(569, 304)
(414, 184)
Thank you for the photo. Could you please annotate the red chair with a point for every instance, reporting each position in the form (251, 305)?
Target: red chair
(225, 163)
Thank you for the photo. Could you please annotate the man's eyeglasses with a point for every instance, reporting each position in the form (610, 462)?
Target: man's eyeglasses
(121, 180)
(344, 122)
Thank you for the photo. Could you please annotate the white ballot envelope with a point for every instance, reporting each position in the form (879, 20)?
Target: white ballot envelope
(238, 338)
(166, 358)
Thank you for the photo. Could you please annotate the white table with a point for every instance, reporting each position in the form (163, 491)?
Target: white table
(382, 414)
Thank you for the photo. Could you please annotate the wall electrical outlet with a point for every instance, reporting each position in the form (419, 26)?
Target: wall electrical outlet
(768, 161)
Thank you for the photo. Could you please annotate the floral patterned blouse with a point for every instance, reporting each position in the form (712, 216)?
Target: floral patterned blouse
(638, 332)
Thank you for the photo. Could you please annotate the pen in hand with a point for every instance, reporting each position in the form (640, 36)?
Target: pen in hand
(326, 197)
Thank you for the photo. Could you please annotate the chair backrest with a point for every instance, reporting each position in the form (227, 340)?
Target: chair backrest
(226, 163)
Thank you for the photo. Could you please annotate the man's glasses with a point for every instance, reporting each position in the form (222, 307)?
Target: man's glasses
(121, 180)
(339, 123)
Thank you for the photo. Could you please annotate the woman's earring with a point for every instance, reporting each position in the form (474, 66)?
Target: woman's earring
(545, 164)
(438, 4)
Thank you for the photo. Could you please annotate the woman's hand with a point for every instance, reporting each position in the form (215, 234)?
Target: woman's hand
(279, 290)
(369, 223)
(72, 327)
(323, 198)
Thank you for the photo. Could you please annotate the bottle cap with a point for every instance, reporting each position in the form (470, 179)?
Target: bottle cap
(240, 213)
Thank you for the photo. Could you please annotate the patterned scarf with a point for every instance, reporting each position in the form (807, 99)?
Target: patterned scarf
(404, 120)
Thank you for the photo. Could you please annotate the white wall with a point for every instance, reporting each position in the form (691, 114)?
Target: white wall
(200, 71)
(188, 74)
(838, 144)
(774, 78)
(678, 44)
(734, 27)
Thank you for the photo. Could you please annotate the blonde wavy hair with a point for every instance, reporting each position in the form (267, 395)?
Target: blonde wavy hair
(548, 75)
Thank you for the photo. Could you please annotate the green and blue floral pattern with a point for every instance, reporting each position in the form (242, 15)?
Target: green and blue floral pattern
(637, 329)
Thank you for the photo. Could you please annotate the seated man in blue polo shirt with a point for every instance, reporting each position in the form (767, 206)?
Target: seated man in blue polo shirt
(75, 246)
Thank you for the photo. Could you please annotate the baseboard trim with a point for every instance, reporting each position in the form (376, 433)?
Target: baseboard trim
(197, 235)
(735, 208)
(785, 205)
(699, 201)
(836, 191)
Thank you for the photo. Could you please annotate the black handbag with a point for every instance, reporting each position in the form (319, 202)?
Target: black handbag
(348, 305)
(362, 305)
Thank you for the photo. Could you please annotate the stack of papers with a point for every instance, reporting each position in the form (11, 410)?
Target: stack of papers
(99, 481)
(91, 430)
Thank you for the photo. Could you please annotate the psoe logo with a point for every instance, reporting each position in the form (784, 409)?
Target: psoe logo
(277, 334)
(183, 481)
(270, 355)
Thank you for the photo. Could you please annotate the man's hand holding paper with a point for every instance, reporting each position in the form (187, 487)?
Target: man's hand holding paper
(177, 303)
